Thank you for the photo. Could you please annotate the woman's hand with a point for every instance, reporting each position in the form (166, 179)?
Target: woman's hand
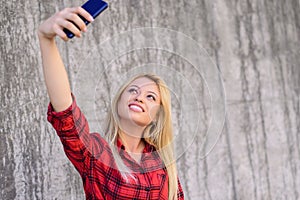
(55, 24)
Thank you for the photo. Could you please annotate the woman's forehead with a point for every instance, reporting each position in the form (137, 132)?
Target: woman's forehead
(144, 82)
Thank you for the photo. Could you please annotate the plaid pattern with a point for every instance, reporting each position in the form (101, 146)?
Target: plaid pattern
(92, 157)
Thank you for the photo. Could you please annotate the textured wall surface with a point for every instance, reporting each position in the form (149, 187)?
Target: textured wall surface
(254, 44)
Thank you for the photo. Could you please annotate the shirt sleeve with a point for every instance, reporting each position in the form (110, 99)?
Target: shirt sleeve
(73, 129)
(180, 194)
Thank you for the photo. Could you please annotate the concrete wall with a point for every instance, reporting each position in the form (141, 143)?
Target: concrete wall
(246, 62)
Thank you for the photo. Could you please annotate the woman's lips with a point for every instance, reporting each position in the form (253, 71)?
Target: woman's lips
(136, 107)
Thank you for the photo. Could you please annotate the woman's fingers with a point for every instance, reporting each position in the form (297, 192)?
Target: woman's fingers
(71, 26)
(77, 24)
(83, 13)
(60, 33)
(67, 18)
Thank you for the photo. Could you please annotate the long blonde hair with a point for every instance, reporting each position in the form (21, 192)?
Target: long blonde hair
(159, 135)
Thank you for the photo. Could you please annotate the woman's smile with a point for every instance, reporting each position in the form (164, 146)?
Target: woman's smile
(136, 107)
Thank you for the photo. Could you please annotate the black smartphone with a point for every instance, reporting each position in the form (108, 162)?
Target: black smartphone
(94, 7)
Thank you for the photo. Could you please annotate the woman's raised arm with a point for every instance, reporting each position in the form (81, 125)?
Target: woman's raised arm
(56, 78)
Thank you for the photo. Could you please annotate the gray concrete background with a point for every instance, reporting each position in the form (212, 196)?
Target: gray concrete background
(255, 46)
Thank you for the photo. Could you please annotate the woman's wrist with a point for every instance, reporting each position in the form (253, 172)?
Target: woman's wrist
(43, 38)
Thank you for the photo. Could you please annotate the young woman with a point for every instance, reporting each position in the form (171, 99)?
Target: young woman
(135, 159)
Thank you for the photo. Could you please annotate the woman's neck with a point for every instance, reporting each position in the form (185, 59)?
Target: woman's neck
(132, 143)
(130, 135)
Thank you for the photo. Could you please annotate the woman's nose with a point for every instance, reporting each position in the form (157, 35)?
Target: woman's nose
(139, 98)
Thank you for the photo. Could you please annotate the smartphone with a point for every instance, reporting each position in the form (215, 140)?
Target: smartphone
(94, 7)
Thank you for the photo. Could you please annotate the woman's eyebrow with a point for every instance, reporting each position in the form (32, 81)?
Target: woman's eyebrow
(147, 91)
(152, 93)
(134, 86)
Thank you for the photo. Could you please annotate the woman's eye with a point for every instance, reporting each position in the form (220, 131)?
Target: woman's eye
(133, 91)
(151, 97)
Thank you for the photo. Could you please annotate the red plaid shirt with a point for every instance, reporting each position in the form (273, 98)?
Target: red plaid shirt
(92, 157)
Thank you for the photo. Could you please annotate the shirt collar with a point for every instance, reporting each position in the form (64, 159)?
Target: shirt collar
(120, 145)
(148, 148)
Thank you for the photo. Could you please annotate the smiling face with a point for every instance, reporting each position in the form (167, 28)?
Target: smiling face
(139, 103)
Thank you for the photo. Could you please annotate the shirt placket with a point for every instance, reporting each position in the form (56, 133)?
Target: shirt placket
(146, 175)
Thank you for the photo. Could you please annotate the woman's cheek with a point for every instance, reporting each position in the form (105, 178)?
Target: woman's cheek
(153, 111)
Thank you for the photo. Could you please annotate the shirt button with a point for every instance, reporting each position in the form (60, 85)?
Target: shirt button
(148, 189)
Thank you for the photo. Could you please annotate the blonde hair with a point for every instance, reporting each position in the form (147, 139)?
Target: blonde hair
(159, 135)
